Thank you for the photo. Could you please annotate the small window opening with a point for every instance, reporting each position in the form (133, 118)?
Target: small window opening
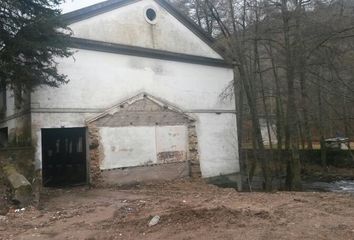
(151, 14)
(3, 104)
(4, 137)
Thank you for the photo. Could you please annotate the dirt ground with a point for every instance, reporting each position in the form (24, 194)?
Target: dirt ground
(187, 210)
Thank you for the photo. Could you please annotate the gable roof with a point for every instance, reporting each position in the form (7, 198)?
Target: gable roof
(110, 5)
(107, 6)
(94, 10)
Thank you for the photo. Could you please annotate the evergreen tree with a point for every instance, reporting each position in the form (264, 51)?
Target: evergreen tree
(32, 36)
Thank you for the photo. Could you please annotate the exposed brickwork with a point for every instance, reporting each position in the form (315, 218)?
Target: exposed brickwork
(193, 150)
(168, 157)
(143, 112)
(95, 154)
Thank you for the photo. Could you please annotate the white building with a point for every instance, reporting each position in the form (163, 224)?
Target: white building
(142, 101)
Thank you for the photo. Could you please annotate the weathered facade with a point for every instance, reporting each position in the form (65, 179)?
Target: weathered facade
(142, 102)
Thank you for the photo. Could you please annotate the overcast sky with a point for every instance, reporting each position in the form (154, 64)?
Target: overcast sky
(71, 5)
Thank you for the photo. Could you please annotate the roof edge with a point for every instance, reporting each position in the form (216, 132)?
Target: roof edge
(188, 22)
(94, 10)
(93, 45)
(103, 7)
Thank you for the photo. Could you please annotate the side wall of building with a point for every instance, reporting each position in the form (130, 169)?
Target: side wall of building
(17, 119)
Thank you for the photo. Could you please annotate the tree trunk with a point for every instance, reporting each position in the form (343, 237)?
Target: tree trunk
(293, 180)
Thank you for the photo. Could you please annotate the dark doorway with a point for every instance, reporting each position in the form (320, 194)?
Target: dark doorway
(4, 137)
(64, 157)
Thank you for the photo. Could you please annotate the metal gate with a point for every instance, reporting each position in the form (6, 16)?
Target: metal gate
(64, 157)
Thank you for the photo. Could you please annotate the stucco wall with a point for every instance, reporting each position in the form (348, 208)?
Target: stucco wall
(10, 104)
(127, 25)
(100, 80)
(17, 120)
(218, 148)
(128, 147)
(134, 146)
(217, 144)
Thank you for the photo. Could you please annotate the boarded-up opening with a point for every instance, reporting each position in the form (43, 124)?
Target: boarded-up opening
(141, 146)
(142, 138)
(64, 157)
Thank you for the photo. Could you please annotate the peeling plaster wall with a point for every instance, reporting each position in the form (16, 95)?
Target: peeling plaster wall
(10, 104)
(17, 120)
(100, 80)
(171, 143)
(128, 147)
(127, 25)
(136, 146)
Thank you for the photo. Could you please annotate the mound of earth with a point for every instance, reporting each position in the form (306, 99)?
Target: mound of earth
(186, 210)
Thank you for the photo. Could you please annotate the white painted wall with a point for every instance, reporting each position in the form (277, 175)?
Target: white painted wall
(218, 149)
(128, 147)
(127, 25)
(136, 146)
(10, 111)
(10, 103)
(171, 139)
(216, 136)
(16, 120)
(100, 80)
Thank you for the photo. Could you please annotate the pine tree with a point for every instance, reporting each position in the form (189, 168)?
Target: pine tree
(32, 36)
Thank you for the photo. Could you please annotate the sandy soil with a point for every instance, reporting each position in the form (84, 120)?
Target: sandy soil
(188, 210)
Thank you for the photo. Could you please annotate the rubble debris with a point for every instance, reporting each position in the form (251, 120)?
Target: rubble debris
(4, 209)
(154, 221)
(3, 219)
(21, 187)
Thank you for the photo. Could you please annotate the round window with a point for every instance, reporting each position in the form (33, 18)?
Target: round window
(151, 15)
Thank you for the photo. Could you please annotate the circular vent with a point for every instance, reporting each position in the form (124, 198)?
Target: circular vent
(151, 15)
